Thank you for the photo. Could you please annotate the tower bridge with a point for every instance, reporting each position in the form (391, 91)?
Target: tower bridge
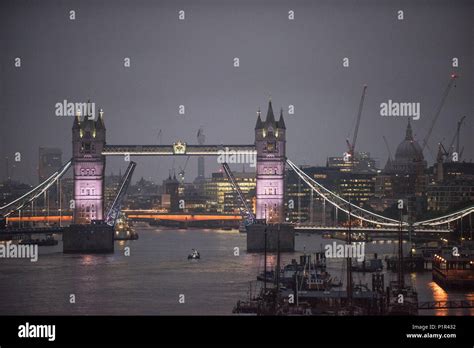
(90, 150)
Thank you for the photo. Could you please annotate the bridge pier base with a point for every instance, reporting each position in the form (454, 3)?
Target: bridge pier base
(94, 238)
(282, 234)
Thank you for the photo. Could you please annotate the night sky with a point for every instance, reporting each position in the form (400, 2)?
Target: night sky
(190, 62)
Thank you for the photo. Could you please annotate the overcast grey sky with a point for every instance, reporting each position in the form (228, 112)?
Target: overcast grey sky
(190, 62)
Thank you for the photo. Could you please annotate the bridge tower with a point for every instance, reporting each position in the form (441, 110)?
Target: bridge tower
(88, 140)
(270, 143)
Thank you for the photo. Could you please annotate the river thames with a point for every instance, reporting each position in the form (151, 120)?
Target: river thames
(157, 272)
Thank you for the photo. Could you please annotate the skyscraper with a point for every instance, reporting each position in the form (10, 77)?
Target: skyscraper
(201, 139)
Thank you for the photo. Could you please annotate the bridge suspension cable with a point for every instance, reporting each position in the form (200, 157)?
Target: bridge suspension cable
(34, 193)
(342, 203)
(446, 219)
(371, 216)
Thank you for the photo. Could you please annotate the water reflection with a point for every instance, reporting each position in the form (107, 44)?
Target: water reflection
(146, 281)
(88, 260)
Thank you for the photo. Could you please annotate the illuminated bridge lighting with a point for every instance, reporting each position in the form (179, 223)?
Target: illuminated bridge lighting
(155, 216)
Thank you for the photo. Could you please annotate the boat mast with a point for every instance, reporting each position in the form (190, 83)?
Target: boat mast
(277, 294)
(401, 280)
(349, 263)
(265, 263)
(278, 261)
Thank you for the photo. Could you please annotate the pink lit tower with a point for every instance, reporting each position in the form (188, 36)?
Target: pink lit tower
(270, 143)
(88, 140)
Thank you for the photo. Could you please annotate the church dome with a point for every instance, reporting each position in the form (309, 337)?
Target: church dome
(409, 149)
(408, 156)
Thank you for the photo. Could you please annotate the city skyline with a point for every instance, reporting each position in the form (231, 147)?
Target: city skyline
(220, 158)
(171, 64)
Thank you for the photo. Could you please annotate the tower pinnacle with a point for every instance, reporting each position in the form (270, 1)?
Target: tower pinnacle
(281, 121)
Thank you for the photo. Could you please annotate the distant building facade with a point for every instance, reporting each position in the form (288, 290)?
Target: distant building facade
(49, 161)
(303, 205)
(221, 197)
(452, 188)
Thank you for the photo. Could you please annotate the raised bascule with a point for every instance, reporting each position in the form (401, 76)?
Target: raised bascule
(90, 233)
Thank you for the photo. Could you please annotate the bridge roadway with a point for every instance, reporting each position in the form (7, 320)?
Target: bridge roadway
(153, 214)
(31, 230)
(446, 304)
(194, 217)
(173, 150)
(378, 230)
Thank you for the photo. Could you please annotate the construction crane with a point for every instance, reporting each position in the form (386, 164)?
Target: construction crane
(116, 206)
(182, 171)
(419, 154)
(456, 138)
(351, 145)
(452, 81)
(442, 153)
(388, 148)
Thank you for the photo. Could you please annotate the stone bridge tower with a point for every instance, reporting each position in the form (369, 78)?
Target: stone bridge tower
(88, 140)
(270, 143)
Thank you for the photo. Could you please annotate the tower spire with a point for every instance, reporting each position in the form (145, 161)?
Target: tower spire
(281, 121)
(409, 132)
(100, 119)
(259, 123)
(270, 117)
(77, 121)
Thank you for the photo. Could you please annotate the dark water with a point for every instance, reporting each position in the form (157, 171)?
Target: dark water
(157, 272)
